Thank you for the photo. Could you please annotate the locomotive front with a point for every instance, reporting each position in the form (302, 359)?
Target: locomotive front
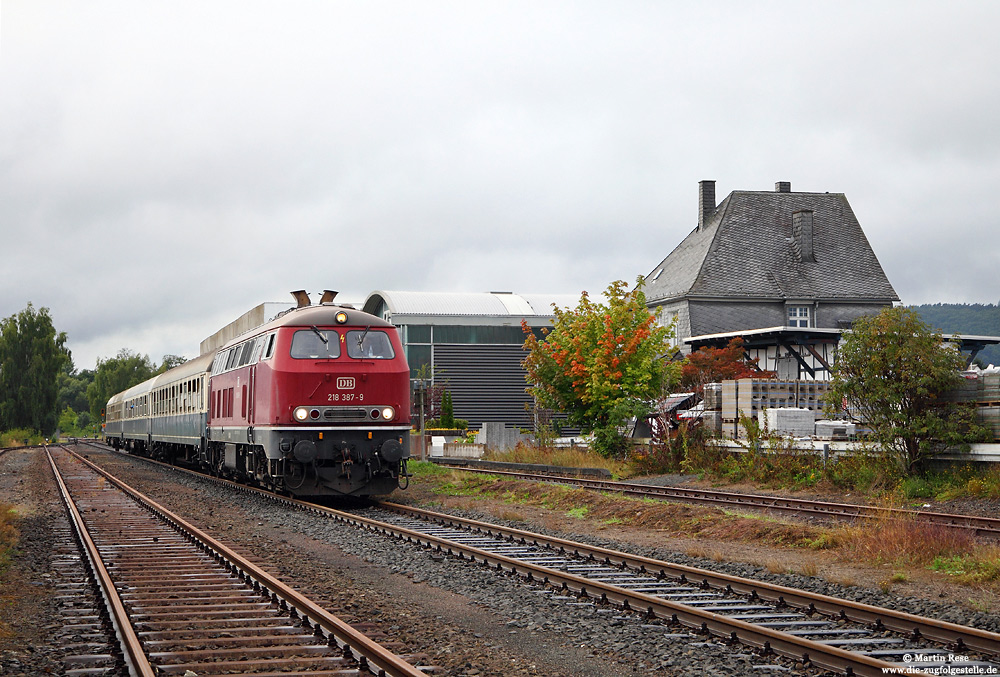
(330, 404)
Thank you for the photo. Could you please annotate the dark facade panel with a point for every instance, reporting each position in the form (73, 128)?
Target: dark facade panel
(843, 315)
(486, 382)
(708, 317)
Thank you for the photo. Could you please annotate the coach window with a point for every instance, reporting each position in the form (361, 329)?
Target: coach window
(315, 344)
(369, 345)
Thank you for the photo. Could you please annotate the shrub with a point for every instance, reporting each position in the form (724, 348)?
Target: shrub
(20, 437)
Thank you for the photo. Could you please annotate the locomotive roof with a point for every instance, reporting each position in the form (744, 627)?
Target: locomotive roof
(324, 314)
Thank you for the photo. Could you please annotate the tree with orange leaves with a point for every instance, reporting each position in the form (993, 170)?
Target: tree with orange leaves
(714, 365)
(601, 364)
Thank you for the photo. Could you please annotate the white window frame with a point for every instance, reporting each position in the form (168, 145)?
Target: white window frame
(798, 316)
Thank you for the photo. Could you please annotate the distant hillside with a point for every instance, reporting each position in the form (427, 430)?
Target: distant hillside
(964, 318)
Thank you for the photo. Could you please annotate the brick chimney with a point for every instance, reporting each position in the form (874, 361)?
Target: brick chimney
(783, 187)
(706, 202)
(802, 234)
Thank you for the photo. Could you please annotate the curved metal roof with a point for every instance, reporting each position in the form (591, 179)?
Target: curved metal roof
(468, 303)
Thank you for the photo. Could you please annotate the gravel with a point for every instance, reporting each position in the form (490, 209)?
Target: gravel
(469, 620)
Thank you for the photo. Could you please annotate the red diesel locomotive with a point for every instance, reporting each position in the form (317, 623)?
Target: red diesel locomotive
(314, 403)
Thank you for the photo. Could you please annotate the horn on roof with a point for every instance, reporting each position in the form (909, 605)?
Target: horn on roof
(301, 298)
(328, 296)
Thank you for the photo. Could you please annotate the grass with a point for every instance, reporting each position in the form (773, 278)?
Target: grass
(608, 509)
(8, 534)
(20, 438)
(569, 457)
(904, 543)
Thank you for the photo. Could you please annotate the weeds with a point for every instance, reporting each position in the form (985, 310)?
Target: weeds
(8, 534)
(775, 567)
(979, 566)
(20, 437)
(905, 541)
(570, 457)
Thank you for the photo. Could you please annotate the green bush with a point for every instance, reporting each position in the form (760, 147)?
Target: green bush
(20, 437)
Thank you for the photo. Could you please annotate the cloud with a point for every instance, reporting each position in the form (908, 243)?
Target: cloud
(166, 166)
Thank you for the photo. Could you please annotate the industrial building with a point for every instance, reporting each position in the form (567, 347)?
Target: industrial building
(471, 343)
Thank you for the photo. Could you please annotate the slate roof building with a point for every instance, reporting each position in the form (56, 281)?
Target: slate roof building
(762, 259)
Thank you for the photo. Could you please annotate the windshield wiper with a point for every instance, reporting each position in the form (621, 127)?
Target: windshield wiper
(320, 334)
(361, 339)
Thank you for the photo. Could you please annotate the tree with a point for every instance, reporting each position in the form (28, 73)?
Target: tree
(68, 421)
(447, 411)
(713, 365)
(601, 364)
(171, 361)
(73, 388)
(32, 354)
(891, 374)
(114, 375)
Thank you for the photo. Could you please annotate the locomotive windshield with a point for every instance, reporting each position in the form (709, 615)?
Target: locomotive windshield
(315, 344)
(369, 345)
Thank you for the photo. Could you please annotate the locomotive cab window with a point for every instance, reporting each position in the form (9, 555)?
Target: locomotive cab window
(369, 345)
(315, 344)
(270, 347)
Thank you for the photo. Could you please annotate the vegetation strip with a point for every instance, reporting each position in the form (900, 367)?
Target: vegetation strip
(982, 526)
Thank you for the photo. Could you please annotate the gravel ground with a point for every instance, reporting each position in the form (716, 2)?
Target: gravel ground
(467, 620)
(29, 604)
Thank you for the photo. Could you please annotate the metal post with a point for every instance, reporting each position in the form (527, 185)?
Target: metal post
(422, 396)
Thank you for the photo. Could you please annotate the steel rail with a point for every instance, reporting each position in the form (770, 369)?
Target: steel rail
(366, 650)
(960, 636)
(982, 526)
(765, 639)
(130, 643)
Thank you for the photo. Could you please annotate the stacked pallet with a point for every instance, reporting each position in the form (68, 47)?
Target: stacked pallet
(750, 396)
(983, 389)
(789, 421)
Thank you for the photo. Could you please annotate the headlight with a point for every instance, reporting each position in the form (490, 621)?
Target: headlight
(388, 413)
(300, 414)
(341, 317)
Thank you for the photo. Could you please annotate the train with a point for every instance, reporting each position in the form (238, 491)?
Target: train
(314, 403)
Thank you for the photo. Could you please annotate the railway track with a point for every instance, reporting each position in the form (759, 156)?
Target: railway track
(816, 630)
(984, 527)
(833, 634)
(182, 602)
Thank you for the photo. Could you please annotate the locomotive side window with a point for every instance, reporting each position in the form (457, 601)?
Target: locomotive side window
(247, 352)
(269, 351)
(315, 344)
(369, 345)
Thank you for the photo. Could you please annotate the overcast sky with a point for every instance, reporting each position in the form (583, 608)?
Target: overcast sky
(166, 166)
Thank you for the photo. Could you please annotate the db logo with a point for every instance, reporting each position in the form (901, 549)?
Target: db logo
(345, 383)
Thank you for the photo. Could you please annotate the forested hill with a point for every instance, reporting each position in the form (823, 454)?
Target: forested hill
(964, 318)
